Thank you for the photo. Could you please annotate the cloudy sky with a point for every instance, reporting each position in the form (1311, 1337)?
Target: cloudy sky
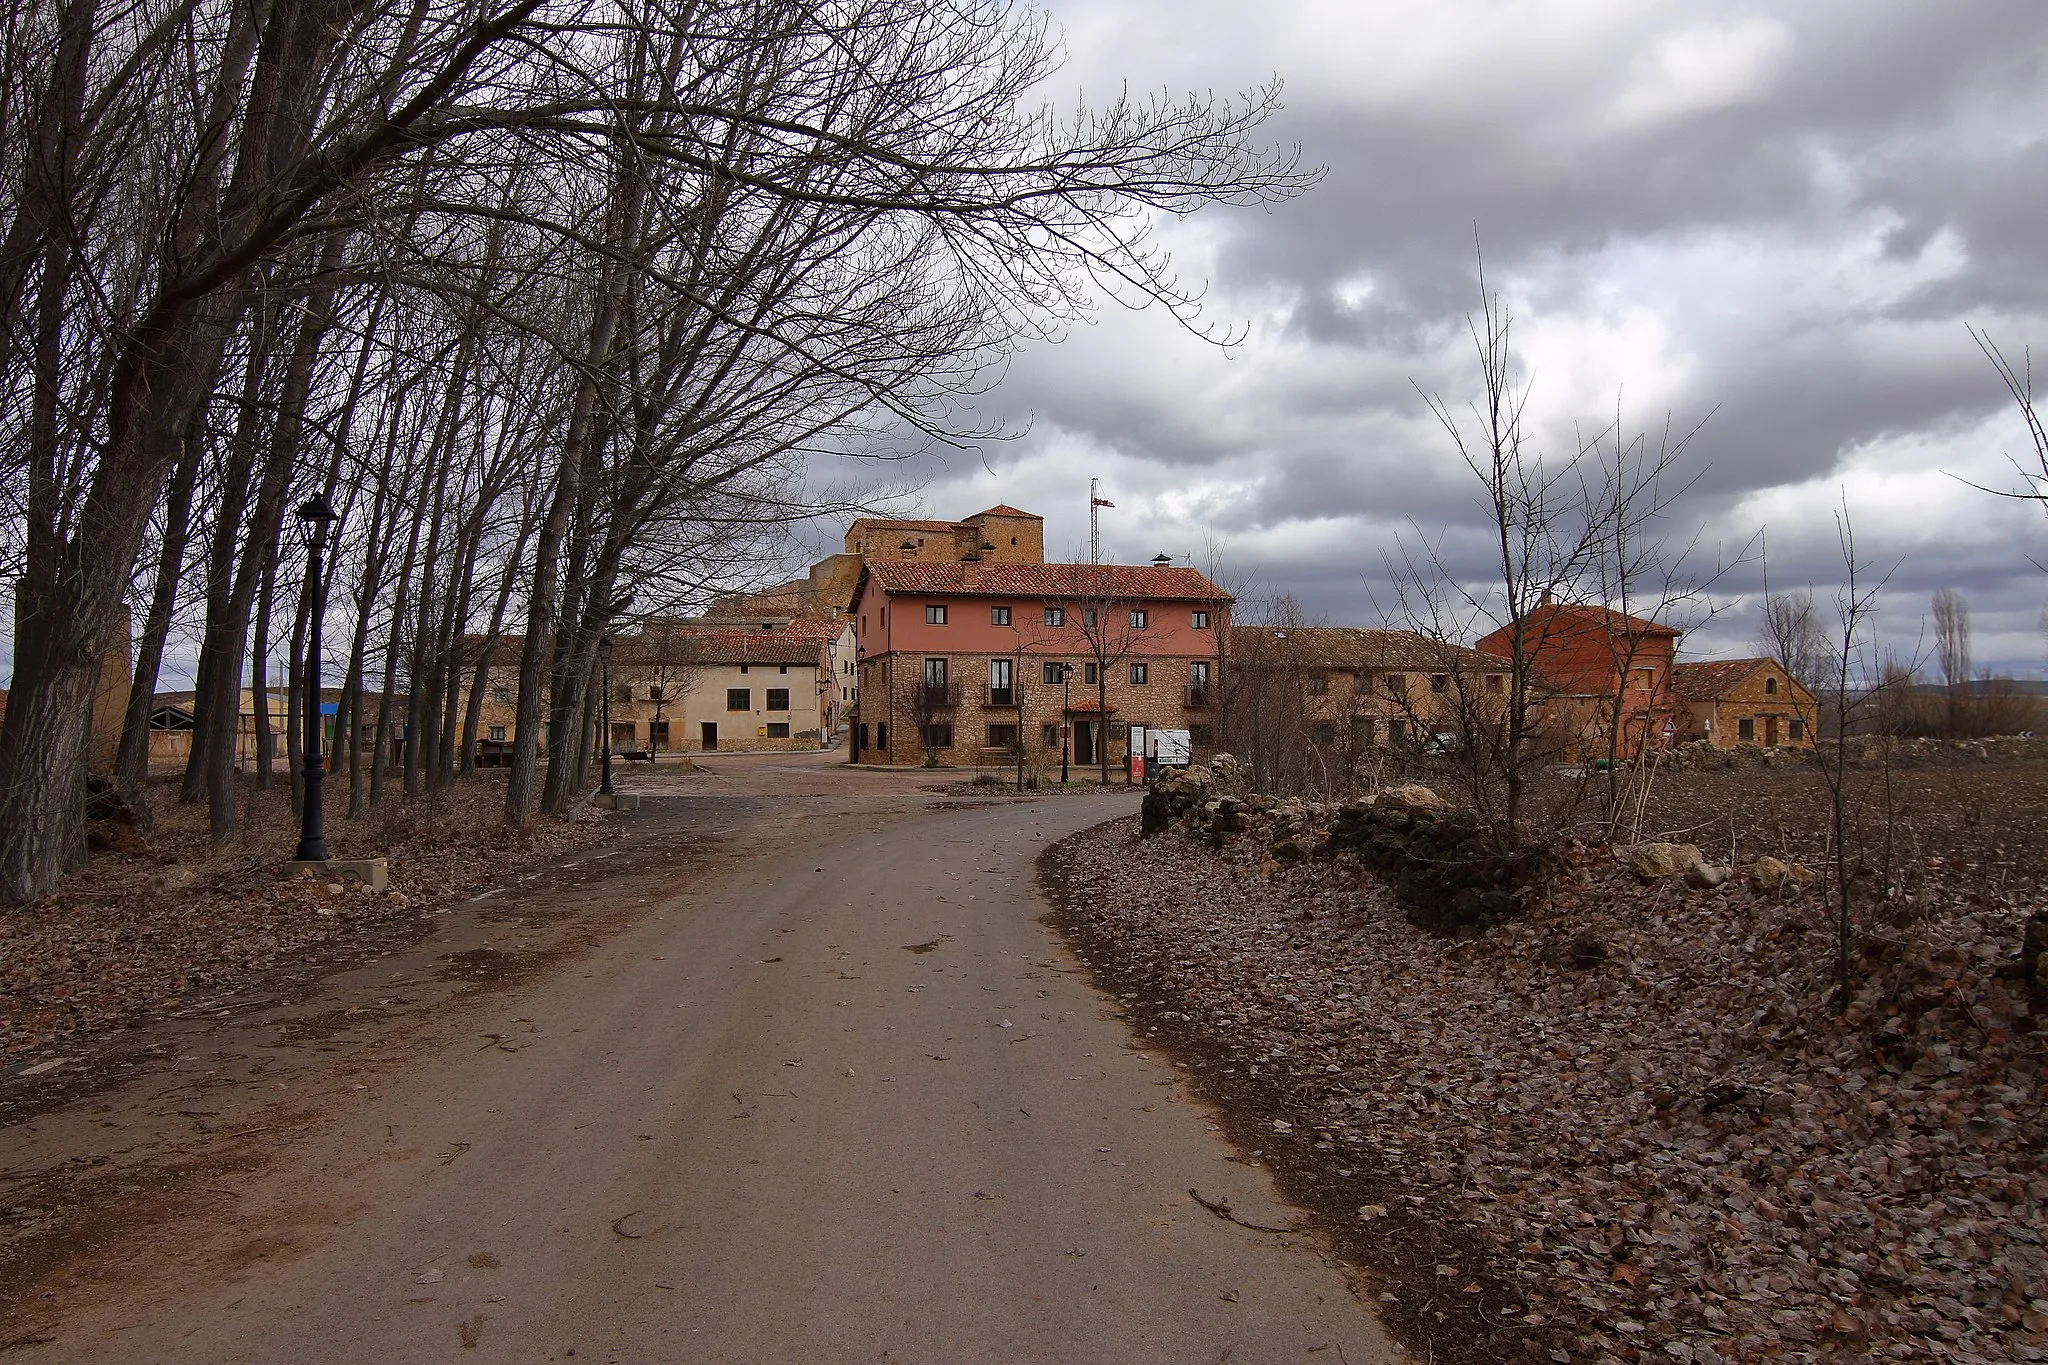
(1780, 218)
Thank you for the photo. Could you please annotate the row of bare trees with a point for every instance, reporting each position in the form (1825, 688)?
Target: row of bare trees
(556, 296)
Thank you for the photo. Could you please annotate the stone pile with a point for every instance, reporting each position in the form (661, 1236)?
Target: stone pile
(1441, 862)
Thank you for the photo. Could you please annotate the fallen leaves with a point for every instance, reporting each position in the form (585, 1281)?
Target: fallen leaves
(1682, 1150)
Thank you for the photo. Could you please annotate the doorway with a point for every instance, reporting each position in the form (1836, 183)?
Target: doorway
(1084, 742)
(1770, 732)
(710, 736)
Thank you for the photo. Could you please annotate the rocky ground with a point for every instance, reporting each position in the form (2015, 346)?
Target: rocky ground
(1628, 1116)
(169, 920)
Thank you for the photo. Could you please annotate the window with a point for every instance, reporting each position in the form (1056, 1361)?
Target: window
(1140, 674)
(1494, 683)
(1798, 729)
(1002, 736)
(999, 616)
(743, 668)
(498, 733)
(1439, 682)
(1199, 619)
(881, 734)
(1198, 683)
(1087, 618)
(1052, 675)
(939, 735)
(1001, 692)
(782, 668)
(863, 735)
(1397, 684)
(1318, 683)
(1771, 686)
(1139, 619)
(657, 734)
(1055, 616)
(778, 729)
(935, 615)
(739, 699)
(1361, 684)
(1642, 679)
(1050, 734)
(1088, 675)
(1745, 730)
(934, 672)
(1322, 734)
(1397, 730)
(500, 692)
(1364, 733)
(778, 699)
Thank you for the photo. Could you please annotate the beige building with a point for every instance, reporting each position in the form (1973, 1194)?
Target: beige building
(704, 686)
(696, 689)
(1743, 701)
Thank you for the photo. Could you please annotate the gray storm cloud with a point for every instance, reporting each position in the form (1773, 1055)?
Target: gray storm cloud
(1782, 216)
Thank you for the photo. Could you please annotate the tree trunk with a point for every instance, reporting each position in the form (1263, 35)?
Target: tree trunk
(131, 767)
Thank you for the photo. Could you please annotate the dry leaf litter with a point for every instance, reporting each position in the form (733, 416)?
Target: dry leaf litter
(167, 918)
(1635, 1092)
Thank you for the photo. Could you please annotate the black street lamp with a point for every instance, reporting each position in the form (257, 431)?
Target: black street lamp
(1066, 717)
(315, 517)
(604, 656)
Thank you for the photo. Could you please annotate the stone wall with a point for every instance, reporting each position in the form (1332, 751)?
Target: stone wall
(1440, 862)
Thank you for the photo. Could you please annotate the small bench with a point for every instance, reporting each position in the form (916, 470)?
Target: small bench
(636, 755)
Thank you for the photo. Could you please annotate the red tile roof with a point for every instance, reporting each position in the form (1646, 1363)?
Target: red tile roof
(719, 647)
(891, 524)
(1073, 582)
(1713, 679)
(1003, 509)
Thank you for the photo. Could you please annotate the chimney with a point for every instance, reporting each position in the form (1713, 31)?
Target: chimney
(970, 569)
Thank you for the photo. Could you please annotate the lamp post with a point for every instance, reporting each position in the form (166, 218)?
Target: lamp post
(604, 658)
(315, 517)
(1066, 716)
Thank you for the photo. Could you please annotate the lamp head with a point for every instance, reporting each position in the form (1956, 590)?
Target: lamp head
(315, 516)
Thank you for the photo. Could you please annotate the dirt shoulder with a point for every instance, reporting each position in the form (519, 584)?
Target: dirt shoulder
(1673, 1151)
(171, 927)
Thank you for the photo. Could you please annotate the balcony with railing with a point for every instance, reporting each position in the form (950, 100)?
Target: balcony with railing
(1001, 697)
(937, 696)
(1198, 695)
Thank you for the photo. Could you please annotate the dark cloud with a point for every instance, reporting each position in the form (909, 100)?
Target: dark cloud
(1784, 216)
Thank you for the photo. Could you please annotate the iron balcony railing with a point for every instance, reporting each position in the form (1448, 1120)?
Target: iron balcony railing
(994, 695)
(938, 696)
(1198, 695)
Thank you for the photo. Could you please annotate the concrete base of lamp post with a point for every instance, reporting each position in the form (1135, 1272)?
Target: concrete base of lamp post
(373, 873)
(616, 801)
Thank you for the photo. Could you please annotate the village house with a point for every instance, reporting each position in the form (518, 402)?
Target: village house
(1599, 670)
(1743, 701)
(699, 686)
(968, 660)
(1369, 687)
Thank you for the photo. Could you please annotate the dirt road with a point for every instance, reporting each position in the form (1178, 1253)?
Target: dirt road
(834, 1094)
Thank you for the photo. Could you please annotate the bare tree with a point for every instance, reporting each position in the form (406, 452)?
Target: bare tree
(1543, 547)
(1115, 624)
(1790, 633)
(738, 232)
(1952, 651)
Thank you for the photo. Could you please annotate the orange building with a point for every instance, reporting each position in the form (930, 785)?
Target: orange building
(1591, 660)
(966, 661)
